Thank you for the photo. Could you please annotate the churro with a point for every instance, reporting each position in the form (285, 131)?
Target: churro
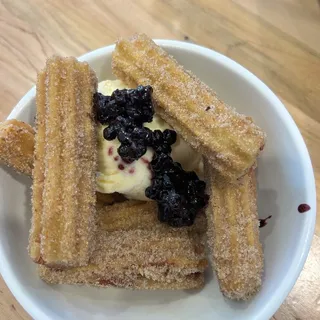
(230, 141)
(131, 233)
(63, 199)
(17, 145)
(132, 214)
(137, 255)
(128, 280)
(233, 235)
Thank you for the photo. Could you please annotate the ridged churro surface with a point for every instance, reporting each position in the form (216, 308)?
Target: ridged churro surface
(233, 235)
(63, 222)
(17, 145)
(121, 280)
(138, 255)
(230, 141)
(130, 215)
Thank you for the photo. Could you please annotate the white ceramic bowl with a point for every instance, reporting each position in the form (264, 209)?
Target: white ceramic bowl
(285, 179)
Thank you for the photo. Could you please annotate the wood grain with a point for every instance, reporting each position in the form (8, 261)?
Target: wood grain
(278, 40)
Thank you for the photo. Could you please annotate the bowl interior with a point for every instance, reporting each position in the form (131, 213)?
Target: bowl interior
(285, 180)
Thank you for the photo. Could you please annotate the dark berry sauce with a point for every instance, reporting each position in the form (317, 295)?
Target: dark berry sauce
(180, 195)
(303, 208)
(264, 222)
(125, 111)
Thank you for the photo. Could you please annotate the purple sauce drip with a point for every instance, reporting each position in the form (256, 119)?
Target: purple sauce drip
(263, 222)
(303, 208)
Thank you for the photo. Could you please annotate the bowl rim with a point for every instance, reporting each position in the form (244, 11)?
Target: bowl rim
(307, 232)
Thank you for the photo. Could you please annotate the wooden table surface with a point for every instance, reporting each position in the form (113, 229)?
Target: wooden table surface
(278, 40)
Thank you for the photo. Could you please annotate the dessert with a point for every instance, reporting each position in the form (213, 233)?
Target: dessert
(16, 145)
(131, 179)
(135, 250)
(180, 195)
(233, 235)
(63, 221)
(114, 137)
(230, 141)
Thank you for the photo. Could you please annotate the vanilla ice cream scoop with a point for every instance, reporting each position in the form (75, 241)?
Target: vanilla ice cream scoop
(132, 179)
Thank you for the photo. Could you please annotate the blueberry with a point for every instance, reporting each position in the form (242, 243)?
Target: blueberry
(124, 138)
(109, 133)
(169, 136)
(157, 138)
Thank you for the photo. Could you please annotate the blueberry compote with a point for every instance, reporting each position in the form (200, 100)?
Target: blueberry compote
(180, 195)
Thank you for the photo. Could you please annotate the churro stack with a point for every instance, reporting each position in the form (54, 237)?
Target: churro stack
(124, 244)
(63, 221)
(130, 248)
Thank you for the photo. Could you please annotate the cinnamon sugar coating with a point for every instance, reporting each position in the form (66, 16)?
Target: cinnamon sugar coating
(17, 145)
(148, 255)
(230, 141)
(64, 213)
(233, 235)
(128, 280)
